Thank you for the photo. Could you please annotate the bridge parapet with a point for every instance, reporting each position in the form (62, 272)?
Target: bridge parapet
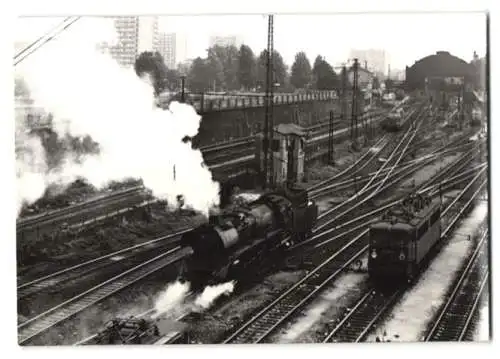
(204, 103)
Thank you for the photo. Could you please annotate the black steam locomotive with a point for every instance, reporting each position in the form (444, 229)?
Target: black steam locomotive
(232, 244)
(401, 241)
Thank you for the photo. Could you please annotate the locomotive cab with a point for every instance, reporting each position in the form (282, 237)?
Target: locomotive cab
(401, 241)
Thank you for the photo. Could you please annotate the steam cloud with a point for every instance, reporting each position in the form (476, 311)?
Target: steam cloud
(173, 301)
(88, 93)
(211, 293)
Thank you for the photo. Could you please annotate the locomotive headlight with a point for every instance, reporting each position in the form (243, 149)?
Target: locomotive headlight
(402, 256)
(374, 254)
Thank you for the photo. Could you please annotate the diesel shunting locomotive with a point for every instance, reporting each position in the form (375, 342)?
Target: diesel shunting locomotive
(233, 243)
(401, 241)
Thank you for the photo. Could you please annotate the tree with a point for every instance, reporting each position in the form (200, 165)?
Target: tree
(223, 66)
(317, 64)
(301, 73)
(199, 76)
(279, 69)
(324, 77)
(247, 67)
(152, 63)
(173, 79)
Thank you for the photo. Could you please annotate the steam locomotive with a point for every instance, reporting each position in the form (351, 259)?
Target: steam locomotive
(400, 243)
(233, 243)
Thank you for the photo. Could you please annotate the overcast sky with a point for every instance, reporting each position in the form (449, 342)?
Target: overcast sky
(405, 37)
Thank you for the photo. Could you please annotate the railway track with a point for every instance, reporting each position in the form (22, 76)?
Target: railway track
(67, 213)
(31, 287)
(370, 189)
(359, 180)
(456, 316)
(117, 260)
(373, 304)
(74, 312)
(238, 156)
(375, 189)
(51, 279)
(60, 277)
(354, 327)
(40, 323)
(245, 141)
(260, 326)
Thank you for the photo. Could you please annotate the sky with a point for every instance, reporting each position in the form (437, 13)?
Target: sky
(405, 37)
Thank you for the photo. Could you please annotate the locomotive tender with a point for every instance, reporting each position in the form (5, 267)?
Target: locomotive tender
(233, 243)
(401, 241)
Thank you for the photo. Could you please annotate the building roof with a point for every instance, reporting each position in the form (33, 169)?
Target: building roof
(290, 129)
(338, 69)
(442, 64)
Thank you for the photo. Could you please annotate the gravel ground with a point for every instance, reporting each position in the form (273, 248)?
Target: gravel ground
(344, 157)
(425, 173)
(215, 323)
(132, 300)
(115, 235)
(309, 326)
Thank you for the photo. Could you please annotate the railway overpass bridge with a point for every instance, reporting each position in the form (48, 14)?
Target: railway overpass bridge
(228, 117)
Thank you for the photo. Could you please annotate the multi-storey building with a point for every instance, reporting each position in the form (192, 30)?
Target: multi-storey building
(136, 34)
(173, 48)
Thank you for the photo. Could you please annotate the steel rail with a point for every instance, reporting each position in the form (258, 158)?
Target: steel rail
(357, 323)
(48, 280)
(441, 326)
(40, 323)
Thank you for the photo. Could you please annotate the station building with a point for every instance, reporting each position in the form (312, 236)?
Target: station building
(441, 76)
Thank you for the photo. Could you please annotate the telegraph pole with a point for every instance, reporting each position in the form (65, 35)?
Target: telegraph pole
(183, 84)
(354, 106)
(269, 121)
(330, 139)
(344, 95)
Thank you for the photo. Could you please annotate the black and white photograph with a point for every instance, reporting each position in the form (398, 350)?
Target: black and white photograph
(249, 179)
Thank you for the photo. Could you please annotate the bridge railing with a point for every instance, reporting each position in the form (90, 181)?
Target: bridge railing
(206, 103)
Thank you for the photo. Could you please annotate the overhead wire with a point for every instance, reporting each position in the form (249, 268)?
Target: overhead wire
(41, 37)
(50, 37)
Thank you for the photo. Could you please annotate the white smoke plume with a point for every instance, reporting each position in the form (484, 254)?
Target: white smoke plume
(173, 295)
(90, 94)
(30, 162)
(211, 293)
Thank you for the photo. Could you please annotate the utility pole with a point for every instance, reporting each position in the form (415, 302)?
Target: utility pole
(269, 101)
(330, 139)
(183, 83)
(343, 114)
(354, 106)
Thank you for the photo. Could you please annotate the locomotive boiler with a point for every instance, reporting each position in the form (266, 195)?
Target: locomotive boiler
(401, 241)
(233, 243)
